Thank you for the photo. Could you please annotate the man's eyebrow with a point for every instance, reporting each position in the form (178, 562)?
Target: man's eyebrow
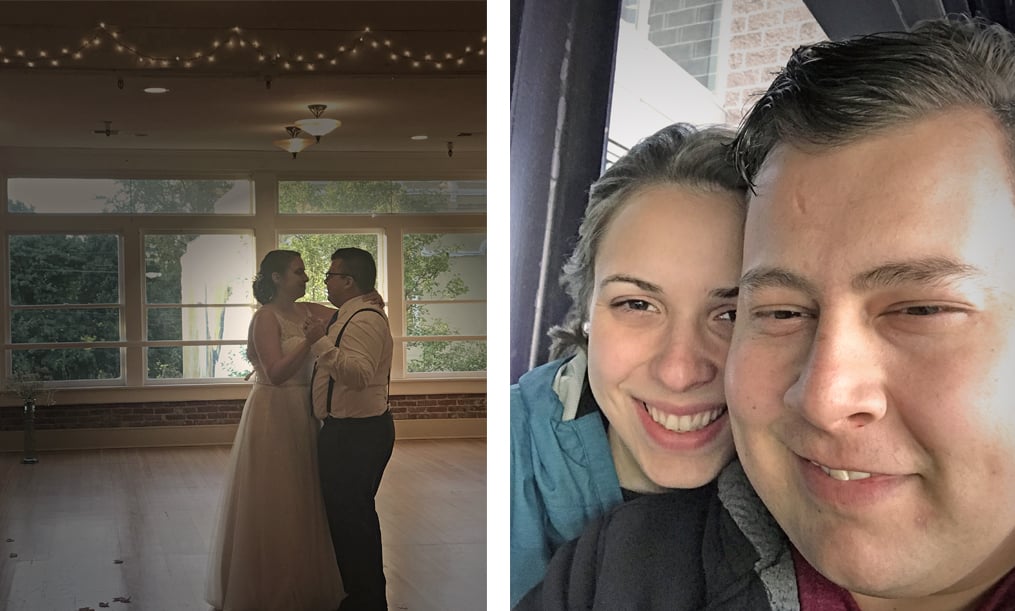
(725, 293)
(642, 284)
(932, 270)
(775, 277)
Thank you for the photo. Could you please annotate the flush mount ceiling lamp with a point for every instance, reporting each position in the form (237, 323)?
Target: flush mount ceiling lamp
(293, 144)
(317, 126)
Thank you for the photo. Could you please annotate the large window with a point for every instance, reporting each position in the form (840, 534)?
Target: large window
(128, 196)
(440, 326)
(382, 197)
(445, 302)
(66, 306)
(198, 304)
(146, 281)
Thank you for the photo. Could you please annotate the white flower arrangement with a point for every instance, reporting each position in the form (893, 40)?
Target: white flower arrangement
(30, 387)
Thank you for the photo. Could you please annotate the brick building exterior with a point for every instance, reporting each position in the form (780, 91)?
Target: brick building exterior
(687, 31)
(762, 35)
(731, 47)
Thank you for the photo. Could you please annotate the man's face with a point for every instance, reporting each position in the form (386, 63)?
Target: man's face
(337, 283)
(871, 377)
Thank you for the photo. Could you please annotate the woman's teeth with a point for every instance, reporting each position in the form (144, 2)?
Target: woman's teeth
(686, 423)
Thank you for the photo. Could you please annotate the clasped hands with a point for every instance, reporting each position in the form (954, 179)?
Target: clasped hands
(315, 328)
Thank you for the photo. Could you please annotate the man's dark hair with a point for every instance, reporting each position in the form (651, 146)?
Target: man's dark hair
(834, 93)
(360, 265)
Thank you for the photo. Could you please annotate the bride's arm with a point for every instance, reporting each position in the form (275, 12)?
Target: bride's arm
(317, 310)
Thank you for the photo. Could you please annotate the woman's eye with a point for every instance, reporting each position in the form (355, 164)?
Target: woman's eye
(633, 304)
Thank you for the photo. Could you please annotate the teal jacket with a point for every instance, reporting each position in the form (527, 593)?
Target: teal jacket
(562, 476)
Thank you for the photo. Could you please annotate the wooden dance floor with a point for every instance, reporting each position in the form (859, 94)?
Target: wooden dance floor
(87, 527)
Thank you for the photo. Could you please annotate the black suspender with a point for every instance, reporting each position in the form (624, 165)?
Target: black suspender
(338, 340)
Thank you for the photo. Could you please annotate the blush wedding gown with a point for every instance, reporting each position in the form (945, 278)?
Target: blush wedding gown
(271, 549)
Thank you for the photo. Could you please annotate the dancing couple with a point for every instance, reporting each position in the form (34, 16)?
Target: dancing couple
(298, 528)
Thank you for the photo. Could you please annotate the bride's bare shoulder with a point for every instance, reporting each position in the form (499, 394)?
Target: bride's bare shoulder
(319, 311)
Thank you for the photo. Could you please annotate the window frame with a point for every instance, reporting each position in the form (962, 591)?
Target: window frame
(10, 347)
(403, 339)
(265, 223)
(146, 307)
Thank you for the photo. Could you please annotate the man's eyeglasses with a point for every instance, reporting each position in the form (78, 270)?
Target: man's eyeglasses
(328, 275)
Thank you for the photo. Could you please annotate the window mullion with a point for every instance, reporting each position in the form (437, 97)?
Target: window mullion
(133, 316)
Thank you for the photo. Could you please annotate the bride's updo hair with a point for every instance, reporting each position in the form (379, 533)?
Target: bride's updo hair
(274, 261)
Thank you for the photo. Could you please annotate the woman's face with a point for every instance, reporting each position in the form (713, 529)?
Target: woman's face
(661, 318)
(292, 283)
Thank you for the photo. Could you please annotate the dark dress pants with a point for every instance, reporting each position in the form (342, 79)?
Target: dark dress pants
(352, 453)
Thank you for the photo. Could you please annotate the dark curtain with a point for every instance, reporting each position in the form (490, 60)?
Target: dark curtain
(842, 20)
(562, 73)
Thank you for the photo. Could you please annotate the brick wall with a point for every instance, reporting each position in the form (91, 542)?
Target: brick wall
(418, 407)
(763, 34)
(685, 31)
(115, 415)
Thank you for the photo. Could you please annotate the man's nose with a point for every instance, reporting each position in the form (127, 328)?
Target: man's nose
(841, 385)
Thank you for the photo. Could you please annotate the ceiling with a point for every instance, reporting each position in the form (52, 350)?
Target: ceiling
(226, 104)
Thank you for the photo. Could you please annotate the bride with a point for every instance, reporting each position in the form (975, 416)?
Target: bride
(272, 549)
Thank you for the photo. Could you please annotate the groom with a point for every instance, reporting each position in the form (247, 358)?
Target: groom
(350, 397)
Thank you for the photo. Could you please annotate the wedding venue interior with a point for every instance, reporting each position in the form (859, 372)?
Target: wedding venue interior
(151, 154)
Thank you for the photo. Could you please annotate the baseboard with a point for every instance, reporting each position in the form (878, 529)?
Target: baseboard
(214, 434)
(440, 428)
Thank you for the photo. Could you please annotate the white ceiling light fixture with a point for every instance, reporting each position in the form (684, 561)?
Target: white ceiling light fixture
(155, 90)
(419, 137)
(293, 144)
(318, 126)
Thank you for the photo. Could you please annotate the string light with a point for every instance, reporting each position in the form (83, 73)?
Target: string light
(236, 37)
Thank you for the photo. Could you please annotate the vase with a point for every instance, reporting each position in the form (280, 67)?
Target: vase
(29, 450)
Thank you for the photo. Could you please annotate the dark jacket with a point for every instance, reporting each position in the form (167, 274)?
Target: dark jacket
(711, 548)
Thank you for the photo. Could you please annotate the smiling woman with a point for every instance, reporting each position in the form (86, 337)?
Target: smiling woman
(640, 386)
